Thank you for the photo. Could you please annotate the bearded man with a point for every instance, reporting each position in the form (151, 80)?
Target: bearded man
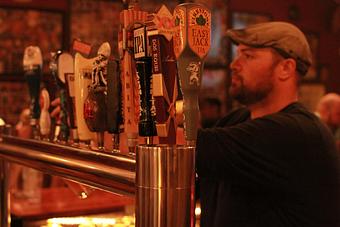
(272, 163)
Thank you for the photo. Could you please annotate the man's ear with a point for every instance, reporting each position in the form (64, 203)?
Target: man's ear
(287, 68)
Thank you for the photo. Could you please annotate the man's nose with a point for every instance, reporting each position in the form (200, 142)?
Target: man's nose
(235, 65)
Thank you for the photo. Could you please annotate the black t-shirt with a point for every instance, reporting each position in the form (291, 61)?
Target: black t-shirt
(278, 170)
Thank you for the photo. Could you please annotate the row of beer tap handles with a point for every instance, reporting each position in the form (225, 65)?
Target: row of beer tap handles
(135, 94)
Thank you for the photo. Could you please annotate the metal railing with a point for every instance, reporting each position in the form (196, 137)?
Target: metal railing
(110, 172)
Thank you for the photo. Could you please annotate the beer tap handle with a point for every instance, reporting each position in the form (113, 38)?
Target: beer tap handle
(65, 67)
(82, 79)
(71, 106)
(160, 28)
(114, 118)
(32, 63)
(130, 96)
(54, 89)
(45, 119)
(146, 126)
(95, 108)
(191, 45)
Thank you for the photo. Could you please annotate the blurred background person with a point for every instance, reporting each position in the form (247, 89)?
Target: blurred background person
(328, 109)
(22, 130)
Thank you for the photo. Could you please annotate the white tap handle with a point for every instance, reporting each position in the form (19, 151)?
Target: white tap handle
(45, 119)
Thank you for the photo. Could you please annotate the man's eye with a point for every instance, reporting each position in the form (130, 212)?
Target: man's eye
(249, 56)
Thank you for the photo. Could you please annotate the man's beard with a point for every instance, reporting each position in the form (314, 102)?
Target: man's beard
(248, 96)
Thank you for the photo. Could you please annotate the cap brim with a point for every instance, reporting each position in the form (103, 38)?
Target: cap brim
(240, 37)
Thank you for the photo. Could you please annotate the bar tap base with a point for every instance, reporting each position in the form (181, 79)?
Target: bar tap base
(165, 186)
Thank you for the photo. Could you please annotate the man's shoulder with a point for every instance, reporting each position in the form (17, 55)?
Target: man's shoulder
(337, 134)
(294, 111)
(296, 119)
(295, 107)
(234, 117)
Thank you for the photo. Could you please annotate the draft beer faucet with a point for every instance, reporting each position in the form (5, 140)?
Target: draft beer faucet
(32, 64)
(146, 125)
(191, 46)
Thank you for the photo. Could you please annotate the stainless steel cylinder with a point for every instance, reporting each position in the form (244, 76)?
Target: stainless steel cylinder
(165, 186)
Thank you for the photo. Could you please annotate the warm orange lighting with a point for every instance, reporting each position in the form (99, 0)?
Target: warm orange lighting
(125, 221)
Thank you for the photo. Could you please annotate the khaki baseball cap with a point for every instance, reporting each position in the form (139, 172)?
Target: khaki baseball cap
(284, 37)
